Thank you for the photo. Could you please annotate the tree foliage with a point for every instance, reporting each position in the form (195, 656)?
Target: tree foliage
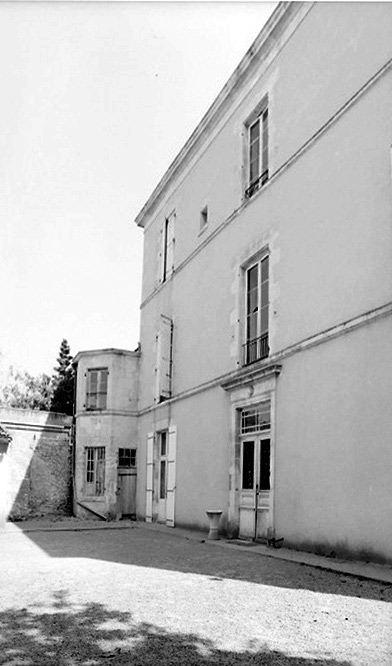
(22, 390)
(63, 381)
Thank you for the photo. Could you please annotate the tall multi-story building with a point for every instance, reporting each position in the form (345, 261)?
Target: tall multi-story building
(265, 378)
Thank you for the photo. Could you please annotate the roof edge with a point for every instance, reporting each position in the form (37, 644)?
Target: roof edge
(284, 9)
(108, 350)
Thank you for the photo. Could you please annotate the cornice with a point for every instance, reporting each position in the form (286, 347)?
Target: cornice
(251, 375)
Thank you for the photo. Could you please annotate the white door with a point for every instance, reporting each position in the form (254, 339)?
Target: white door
(255, 490)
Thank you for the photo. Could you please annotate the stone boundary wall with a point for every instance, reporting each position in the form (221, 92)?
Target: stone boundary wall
(35, 470)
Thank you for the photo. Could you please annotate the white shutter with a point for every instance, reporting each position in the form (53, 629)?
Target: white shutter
(165, 350)
(171, 476)
(170, 245)
(160, 253)
(158, 366)
(149, 476)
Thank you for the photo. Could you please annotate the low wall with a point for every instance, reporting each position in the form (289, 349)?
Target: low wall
(36, 468)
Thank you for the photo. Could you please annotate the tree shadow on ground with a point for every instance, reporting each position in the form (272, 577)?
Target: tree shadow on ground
(65, 634)
(156, 550)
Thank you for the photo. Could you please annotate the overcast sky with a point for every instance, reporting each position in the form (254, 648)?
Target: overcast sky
(97, 100)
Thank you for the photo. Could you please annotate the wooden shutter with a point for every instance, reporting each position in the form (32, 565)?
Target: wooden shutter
(164, 365)
(149, 476)
(171, 476)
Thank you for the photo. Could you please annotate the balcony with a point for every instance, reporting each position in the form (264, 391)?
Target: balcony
(256, 185)
(255, 350)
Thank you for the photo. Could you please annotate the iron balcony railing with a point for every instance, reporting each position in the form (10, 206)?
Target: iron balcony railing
(256, 184)
(256, 349)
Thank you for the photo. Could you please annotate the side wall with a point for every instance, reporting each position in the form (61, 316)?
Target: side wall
(37, 465)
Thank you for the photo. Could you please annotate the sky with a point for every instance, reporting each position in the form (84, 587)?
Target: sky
(97, 100)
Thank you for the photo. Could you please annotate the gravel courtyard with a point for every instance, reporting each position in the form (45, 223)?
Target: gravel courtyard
(142, 597)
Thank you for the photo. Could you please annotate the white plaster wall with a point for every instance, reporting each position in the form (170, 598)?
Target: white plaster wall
(202, 459)
(327, 223)
(123, 379)
(333, 444)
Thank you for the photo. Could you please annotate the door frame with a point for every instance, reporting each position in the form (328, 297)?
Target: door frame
(260, 500)
(247, 390)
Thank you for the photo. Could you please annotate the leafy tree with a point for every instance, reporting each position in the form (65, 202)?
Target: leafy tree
(63, 381)
(24, 391)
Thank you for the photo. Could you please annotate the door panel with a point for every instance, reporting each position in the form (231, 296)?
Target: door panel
(127, 492)
(255, 494)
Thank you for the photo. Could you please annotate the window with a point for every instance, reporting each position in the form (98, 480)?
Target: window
(164, 363)
(256, 419)
(257, 305)
(168, 247)
(97, 388)
(162, 464)
(127, 457)
(95, 470)
(203, 218)
(257, 131)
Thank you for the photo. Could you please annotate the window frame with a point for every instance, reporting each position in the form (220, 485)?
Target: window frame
(121, 457)
(260, 117)
(90, 394)
(95, 461)
(256, 348)
(168, 246)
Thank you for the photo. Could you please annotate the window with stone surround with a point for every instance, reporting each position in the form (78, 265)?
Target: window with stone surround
(95, 470)
(97, 388)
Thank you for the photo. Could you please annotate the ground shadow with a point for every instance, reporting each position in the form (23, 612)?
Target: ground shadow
(92, 635)
(148, 548)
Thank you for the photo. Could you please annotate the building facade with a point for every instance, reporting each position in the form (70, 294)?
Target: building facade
(264, 381)
(104, 469)
(265, 371)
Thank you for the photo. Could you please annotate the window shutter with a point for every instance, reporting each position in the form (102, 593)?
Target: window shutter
(164, 349)
(158, 366)
(160, 253)
(171, 476)
(149, 476)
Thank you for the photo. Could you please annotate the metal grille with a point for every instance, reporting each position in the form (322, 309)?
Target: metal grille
(256, 419)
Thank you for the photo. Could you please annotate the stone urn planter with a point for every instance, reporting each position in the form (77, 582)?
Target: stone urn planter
(213, 517)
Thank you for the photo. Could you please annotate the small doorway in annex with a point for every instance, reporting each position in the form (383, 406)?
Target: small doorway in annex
(126, 483)
(255, 490)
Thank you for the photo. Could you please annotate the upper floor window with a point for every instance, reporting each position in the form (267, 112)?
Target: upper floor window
(203, 218)
(257, 130)
(168, 247)
(97, 388)
(256, 315)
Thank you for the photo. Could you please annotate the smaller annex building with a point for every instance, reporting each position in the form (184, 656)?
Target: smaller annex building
(105, 452)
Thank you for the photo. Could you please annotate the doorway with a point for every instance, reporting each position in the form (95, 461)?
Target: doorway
(255, 493)
(126, 483)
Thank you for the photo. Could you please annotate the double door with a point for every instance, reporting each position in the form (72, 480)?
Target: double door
(255, 515)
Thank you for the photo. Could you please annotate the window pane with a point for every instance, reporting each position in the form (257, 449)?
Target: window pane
(265, 142)
(264, 293)
(252, 277)
(248, 465)
(251, 327)
(264, 320)
(264, 269)
(133, 458)
(265, 455)
(163, 444)
(162, 480)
